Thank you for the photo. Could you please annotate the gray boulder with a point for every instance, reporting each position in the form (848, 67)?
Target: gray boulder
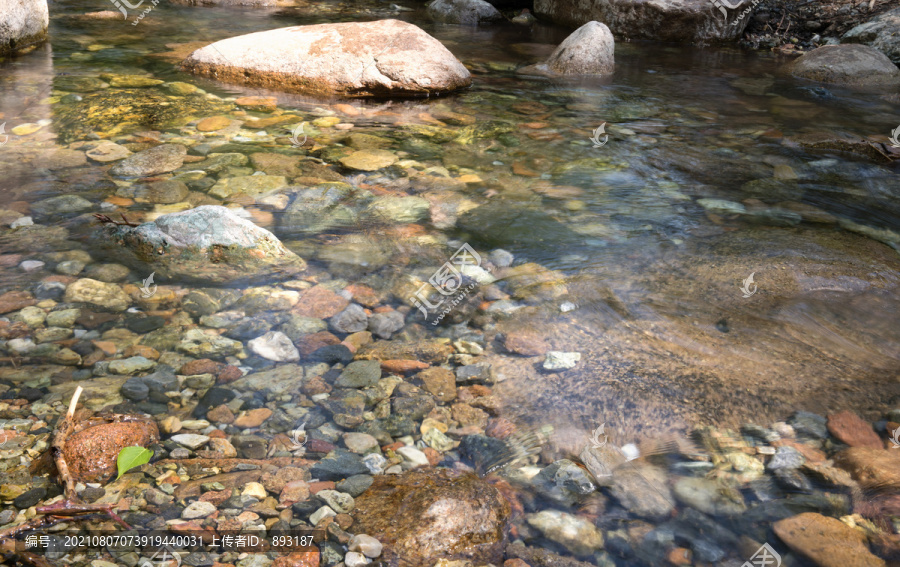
(471, 12)
(208, 244)
(589, 50)
(381, 58)
(685, 21)
(848, 64)
(881, 32)
(23, 23)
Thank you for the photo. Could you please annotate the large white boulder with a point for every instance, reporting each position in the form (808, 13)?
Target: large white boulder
(23, 23)
(847, 64)
(382, 58)
(589, 50)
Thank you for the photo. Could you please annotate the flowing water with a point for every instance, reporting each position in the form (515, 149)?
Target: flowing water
(621, 232)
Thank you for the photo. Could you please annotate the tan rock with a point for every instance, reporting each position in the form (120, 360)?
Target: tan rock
(440, 382)
(871, 467)
(380, 58)
(252, 418)
(213, 123)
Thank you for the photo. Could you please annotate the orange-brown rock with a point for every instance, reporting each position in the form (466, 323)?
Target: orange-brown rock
(433, 352)
(871, 467)
(320, 302)
(298, 559)
(426, 515)
(850, 429)
(828, 542)
(91, 453)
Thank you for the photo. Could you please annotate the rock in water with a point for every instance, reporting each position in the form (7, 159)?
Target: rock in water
(92, 452)
(382, 58)
(425, 515)
(24, 23)
(589, 50)
(665, 20)
(853, 65)
(470, 12)
(208, 244)
(156, 160)
(828, 542)
(880, 32)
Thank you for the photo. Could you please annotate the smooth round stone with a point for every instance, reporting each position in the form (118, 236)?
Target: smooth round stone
(213, 124)
(366, 544)
(198, 509)
(105, 152)
(190, 440)
(25, 129)
(326, 121)
(31, 265)
(194, 424)
(70, 267)
(369, 160)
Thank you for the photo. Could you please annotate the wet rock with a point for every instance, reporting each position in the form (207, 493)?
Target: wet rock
(198, 509)
(575, 534)
(132, 365)
(786, 458)
(383, 325)
(190, 440)
(429, 514)
(25, 24)
(351, 320)
(879, 33)
(526, 343)
(207, 244)
(327, 58)
(871, 467)
(471, 12)
(589, 50)
(275, 346)
(706, 496)
(643, 491)
(360, 443)
(250, 446)
(156, 160)
(106, 295)
(826, 541)
(92, 452)
(338, 464)
(433, 352)
(850, 429)
(367, 545)
(63, 205)
(359, 374)
(165, 192)
(252, 185)
(852, 65)
(200, 344)
(673, 21)
(252, 418)
(439, 382)
(30, 498)
(319, 209)
(809, 424)
(564, 482)
(369, 160)
(480, 450)
(558, 361)
(524, 556)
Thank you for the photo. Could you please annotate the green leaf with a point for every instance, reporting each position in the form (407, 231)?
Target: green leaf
(131, 457)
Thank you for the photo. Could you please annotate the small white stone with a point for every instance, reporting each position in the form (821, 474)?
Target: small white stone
(320, 514)
(31, 265)
(630, 451)
(353, 559)
(567, 306)
(23, 221)
(366, 544)
(254, 489)
(190, 440)
(275, 346)
(414, 456)
(557, 360)
(198, 509)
